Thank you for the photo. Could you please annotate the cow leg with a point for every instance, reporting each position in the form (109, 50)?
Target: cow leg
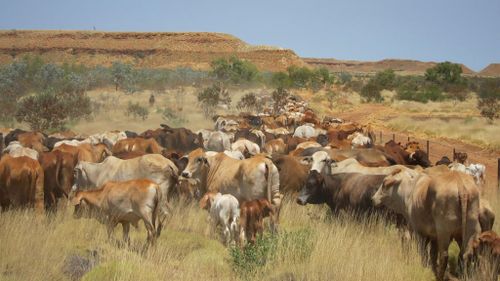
(434, 257)
(151, 231)
(227, 234)
(126, 229)
(443, 242)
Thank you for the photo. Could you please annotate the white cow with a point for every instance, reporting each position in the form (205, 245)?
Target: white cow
(15, 149)
(224, 211)
(245, 147)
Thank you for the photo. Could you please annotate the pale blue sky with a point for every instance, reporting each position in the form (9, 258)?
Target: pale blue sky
(427, 30)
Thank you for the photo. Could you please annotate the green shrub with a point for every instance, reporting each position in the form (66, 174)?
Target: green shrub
(50, 111)
(281, 80)
(371, 92)
(234, 70)
(293, 246)
(212, 96)
(136, 110)
(250, 102)
(489, 99)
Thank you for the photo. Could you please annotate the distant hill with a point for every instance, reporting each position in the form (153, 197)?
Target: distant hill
(405, 67)
(144, 49)
(491, 70)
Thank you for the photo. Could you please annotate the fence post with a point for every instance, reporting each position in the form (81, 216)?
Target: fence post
(408, 138)
(394, 137)
(428, 148)
(454, 154)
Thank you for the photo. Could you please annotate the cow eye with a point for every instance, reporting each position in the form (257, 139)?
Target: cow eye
(199, 160)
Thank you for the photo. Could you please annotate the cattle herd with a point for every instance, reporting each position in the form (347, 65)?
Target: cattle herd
(243, 168)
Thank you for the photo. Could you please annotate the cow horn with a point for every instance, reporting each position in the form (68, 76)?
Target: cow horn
(396, 171)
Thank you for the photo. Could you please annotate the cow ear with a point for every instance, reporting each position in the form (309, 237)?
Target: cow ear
(306, 160)
(205, 202)
(205, 161)
(77, 200)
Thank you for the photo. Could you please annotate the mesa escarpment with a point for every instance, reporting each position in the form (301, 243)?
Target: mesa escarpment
(491, 70)
(143, 49)
(400, 66)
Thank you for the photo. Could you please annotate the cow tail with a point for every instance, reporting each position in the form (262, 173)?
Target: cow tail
(269, 181)
(463, 196)
(59, 160)
(157, 223)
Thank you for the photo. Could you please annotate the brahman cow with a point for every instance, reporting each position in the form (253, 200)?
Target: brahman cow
(124, 202)
(438, 207)
(154, 167)
(21, 183)
(293, 174)
(224, 211)
(175, 139)
(15, 149)
(247, 179)
(58, 176)
(246, 147)
(137, 145)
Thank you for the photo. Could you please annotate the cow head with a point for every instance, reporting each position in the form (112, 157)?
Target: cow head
(80, 177)
(81, 206)
(197, 161)
(419, 157)
(321, 161)
(312, 192)
(388, 189)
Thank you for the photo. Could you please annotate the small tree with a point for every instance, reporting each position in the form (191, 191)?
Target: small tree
(371, 92)
(445, 72)
(250, 102)
(123, 76)
(489, 99)
(279, 96)
(281, 80)
(47, 110)
(212, 96)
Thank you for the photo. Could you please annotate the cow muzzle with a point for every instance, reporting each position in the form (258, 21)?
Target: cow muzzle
(302, 200)
(186, 174)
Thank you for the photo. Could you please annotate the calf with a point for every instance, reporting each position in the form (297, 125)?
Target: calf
(124, 202)
(224, 211)
(486, 248)
(252, 214)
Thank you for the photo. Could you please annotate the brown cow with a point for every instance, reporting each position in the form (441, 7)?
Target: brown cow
(21, 183)
(486, 250)
(438, 207)
(137, 144)
(293, 173)
(252, 214)
(86, 152)
(58, 176)
(343, 191)
(460, 157)
(33, 140)
(177, 139)
(124, 202)
(275, 146)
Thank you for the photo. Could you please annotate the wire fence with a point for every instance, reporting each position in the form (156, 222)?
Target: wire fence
(436, 150)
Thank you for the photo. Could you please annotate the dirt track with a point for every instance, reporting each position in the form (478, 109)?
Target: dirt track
(438, 146)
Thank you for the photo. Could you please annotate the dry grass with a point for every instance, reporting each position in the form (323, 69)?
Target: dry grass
(470, 130)
(341, 249)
